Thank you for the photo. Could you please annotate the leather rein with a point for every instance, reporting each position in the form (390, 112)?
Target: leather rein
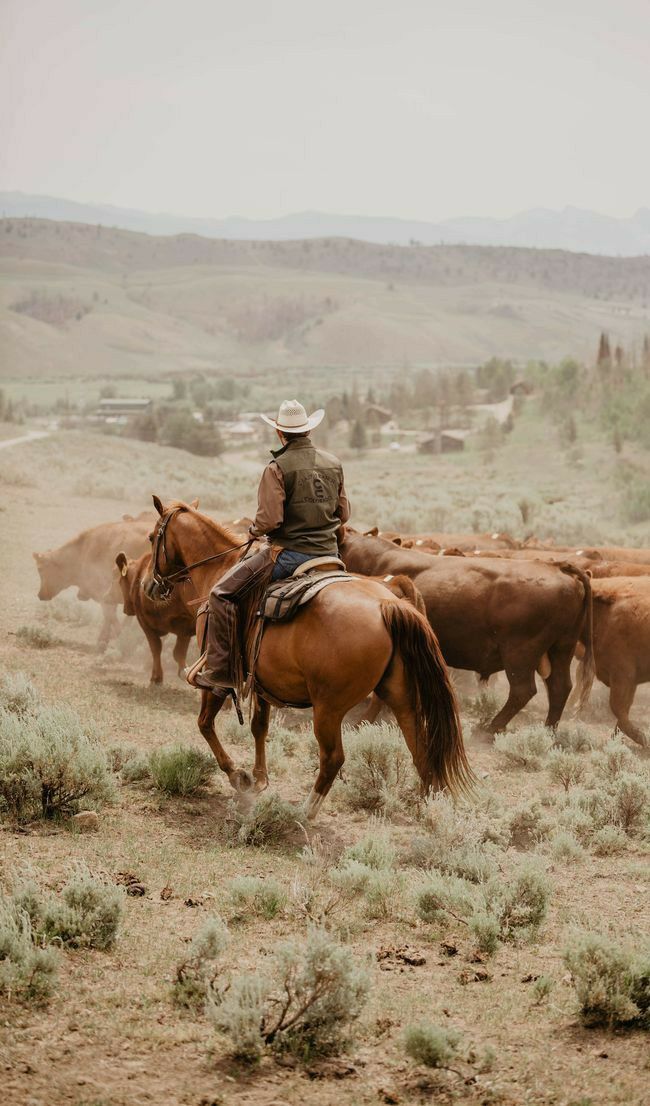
(166, 583)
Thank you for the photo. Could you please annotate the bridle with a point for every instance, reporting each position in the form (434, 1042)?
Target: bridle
(165, 583)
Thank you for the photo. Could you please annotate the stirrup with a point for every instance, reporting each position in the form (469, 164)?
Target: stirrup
(192, 671)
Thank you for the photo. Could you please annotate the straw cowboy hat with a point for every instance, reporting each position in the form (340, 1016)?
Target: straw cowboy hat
(293, 419)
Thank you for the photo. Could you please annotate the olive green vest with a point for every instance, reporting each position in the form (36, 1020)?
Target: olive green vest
(312, 481)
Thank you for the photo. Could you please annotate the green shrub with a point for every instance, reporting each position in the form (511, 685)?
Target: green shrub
(269, 822)
(379, 771)
(442, 896)
(49, 764)
(612, 983)
(38, 637)
(521, 902)
(384, 893)
(180, 769)
(542, 988)
(574, 737)
(254, 897)
(306, 1007)
(609, 841)
(529, 824)
(18, 694)
(375, 849)
(614, 759)
(565, 768)
(431, 1045)
(630, 802)
(486, 931)
(564, 846)
(199, 970)
(527, 747)
(86, 914)
(461, 841)
(503, 909)
(483, 707)
(26, 970)
(240, 1014)
(136, 769)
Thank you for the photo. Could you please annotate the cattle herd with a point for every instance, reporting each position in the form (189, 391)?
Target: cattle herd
(495, 604)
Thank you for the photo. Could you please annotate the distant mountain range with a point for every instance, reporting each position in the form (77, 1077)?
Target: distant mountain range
(540, 228)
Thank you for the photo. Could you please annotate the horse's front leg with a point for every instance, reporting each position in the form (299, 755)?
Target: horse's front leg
(260, 729)
(210, 707)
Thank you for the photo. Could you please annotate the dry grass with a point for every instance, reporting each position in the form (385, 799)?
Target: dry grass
(116, 1018)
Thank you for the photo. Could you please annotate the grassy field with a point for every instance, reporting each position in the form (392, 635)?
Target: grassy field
(112, 1034)
(80, 302)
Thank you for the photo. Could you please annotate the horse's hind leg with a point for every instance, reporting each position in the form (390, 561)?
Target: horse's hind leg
(260, 729)
(327, 728)
(210, 707)
(393, 691)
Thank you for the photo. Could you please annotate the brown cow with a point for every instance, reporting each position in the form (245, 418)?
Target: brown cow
(157, 618)
(621, 646)
(492, 615)
(86, 562)
(439, 541)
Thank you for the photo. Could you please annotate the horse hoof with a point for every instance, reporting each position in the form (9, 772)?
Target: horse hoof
(261, 785)
(241, 780)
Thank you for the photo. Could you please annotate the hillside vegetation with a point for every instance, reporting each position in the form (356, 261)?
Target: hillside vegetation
(77, 300)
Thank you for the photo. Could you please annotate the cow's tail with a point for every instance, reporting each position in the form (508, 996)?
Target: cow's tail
(440, 756)
(586, 672)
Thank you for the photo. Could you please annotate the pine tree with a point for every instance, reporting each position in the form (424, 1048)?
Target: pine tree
(358, 436)
(604, 352)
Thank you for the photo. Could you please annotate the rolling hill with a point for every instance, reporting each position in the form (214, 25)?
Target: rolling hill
(572, 228)
(80, 300)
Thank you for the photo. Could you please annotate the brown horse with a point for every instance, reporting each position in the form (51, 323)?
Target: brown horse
(352, 639)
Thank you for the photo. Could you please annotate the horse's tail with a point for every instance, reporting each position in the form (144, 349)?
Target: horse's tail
(440, 756)
(586, 672)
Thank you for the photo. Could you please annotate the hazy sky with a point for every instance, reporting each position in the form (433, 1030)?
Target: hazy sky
(418, 108)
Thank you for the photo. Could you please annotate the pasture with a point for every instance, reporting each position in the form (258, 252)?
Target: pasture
(559, 844)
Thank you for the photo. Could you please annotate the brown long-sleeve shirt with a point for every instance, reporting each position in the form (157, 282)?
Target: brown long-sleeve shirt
(271, 498)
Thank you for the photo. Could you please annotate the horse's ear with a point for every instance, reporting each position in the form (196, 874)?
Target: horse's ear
(194, 503)
(397, 541)
(158, 505)
(37, 557)
(128, 518)
(372, 533)
(122, 563)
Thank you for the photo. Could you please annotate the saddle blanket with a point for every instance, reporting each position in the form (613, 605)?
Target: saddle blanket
(283, 599)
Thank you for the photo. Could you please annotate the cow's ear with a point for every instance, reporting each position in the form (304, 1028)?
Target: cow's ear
(194, 503)
(158, 505)
(122, 563)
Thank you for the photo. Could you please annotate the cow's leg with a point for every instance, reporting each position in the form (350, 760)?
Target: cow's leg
(210, 707)
(260, 729)
(180, 651)
(622, 689)
(327, 729)
(522, 690)
(155, 644)
(109, 627)
(558, 683)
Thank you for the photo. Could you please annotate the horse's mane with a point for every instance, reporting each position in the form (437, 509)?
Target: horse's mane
(222, 529)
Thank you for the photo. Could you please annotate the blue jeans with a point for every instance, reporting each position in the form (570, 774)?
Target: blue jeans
(288, 561)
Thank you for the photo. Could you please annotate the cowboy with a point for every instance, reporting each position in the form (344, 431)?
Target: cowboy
(302, 508)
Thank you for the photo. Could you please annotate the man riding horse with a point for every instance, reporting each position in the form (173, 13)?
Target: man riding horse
(302, 507)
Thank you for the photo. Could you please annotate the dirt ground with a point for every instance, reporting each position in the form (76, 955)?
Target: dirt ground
(111, 1035)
